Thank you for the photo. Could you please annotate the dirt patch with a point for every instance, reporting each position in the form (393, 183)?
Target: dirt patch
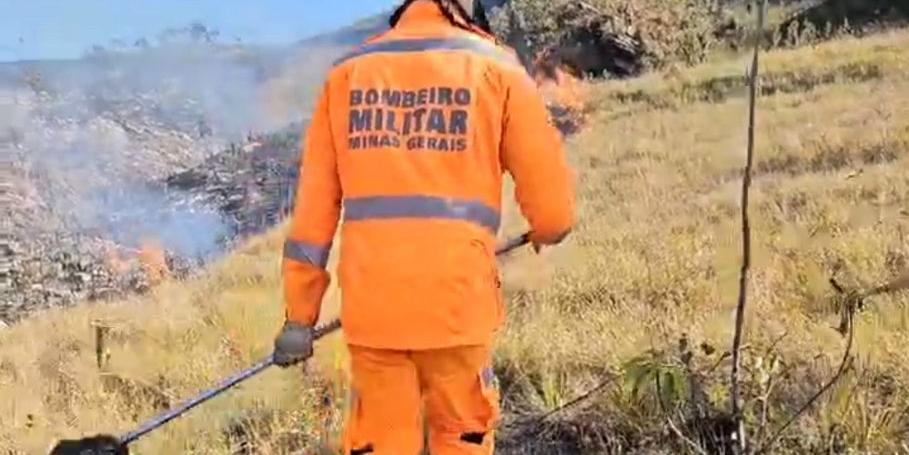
(576, 435)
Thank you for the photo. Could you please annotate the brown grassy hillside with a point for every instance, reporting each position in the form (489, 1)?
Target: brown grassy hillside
(657, 253)
(654, 259)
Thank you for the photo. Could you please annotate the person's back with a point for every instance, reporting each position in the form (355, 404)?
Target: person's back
(411, 137)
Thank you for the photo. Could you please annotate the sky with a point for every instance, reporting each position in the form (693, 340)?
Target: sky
(65, 29)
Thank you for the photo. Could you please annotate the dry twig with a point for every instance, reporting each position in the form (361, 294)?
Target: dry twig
(899, 284)
(845, 364)
(768, 389)
(853, 303)
(600, 387)
(694, 446)
(688, 441)
(537, 421)
(746, 237)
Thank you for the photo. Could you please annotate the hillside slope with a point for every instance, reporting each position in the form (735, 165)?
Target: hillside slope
(654, 259)
(91, 144)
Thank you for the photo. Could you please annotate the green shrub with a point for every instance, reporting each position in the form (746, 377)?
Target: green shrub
(659, 32)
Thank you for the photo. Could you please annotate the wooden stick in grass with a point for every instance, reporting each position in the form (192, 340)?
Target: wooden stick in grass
(744, 276)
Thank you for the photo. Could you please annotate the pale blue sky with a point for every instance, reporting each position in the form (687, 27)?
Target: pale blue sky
(52, 29)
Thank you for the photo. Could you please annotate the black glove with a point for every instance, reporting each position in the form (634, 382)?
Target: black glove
(293, 345)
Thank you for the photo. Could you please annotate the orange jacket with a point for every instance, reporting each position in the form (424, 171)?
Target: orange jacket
(411, 135)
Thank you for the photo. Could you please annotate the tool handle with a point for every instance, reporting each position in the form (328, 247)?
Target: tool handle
(513, 244)
(232, 381)
(219, 389)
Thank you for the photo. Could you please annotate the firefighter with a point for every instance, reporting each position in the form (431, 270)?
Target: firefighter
(410, 139)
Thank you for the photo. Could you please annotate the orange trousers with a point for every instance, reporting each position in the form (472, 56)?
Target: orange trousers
(394, 392)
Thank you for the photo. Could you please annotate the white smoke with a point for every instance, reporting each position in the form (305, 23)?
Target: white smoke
(93, 136)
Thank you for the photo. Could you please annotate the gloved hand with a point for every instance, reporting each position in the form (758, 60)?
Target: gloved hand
(538, 244)
(293, 345)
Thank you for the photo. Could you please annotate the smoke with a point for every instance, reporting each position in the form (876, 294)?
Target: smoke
(89, 179)
(132, 215)
(181, 85)
(287, 95)
(93, 137)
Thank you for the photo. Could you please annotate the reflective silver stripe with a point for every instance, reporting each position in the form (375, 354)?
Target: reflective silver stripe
(389, 207)
(489, 377)
(352, 399)
(476, 46)
(316, 255)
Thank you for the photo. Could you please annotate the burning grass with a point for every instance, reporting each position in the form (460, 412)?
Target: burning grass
(565, 94)
(179, 339)
(653, 261)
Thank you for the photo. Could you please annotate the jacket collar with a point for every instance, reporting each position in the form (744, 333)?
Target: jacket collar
(423, 12)
(427, 12)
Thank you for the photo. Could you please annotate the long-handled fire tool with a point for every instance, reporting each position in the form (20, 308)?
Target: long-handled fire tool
(112, 445)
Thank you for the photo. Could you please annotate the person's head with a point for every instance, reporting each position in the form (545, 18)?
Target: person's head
(469, 11)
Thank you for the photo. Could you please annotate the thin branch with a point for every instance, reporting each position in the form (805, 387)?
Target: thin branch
(725, 355)
(602, 386)
(697, 448)
(765, 412)
(845, 365)
(719, 362)
(533, 422)
(587, 6)
(776, 342)
(746, 237)
(694, 446)
(854, 302)
(899, 284)
(771, 384)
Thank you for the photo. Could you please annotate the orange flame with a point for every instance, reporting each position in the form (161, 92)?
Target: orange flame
(150, 258)
(153, 261)
(561, 87)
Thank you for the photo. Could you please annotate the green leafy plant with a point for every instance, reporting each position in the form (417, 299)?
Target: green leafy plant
(652, 377)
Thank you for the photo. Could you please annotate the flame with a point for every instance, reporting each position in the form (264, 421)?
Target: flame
(115, 261)
(561, 89)
(153, 261)
(150, 258)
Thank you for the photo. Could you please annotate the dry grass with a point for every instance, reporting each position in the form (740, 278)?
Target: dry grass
(655, 257)
(164, 348)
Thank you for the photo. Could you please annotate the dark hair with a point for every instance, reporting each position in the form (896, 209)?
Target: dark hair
(396, 15)
(449, 9)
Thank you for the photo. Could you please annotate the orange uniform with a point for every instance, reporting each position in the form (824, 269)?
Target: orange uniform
(409, 140)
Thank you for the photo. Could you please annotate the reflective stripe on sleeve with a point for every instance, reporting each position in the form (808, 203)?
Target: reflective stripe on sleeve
(489, 377)
(476, 46)
(316, 255)
(428, 207)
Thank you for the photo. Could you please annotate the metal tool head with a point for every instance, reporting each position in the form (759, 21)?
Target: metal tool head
(95, 445)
